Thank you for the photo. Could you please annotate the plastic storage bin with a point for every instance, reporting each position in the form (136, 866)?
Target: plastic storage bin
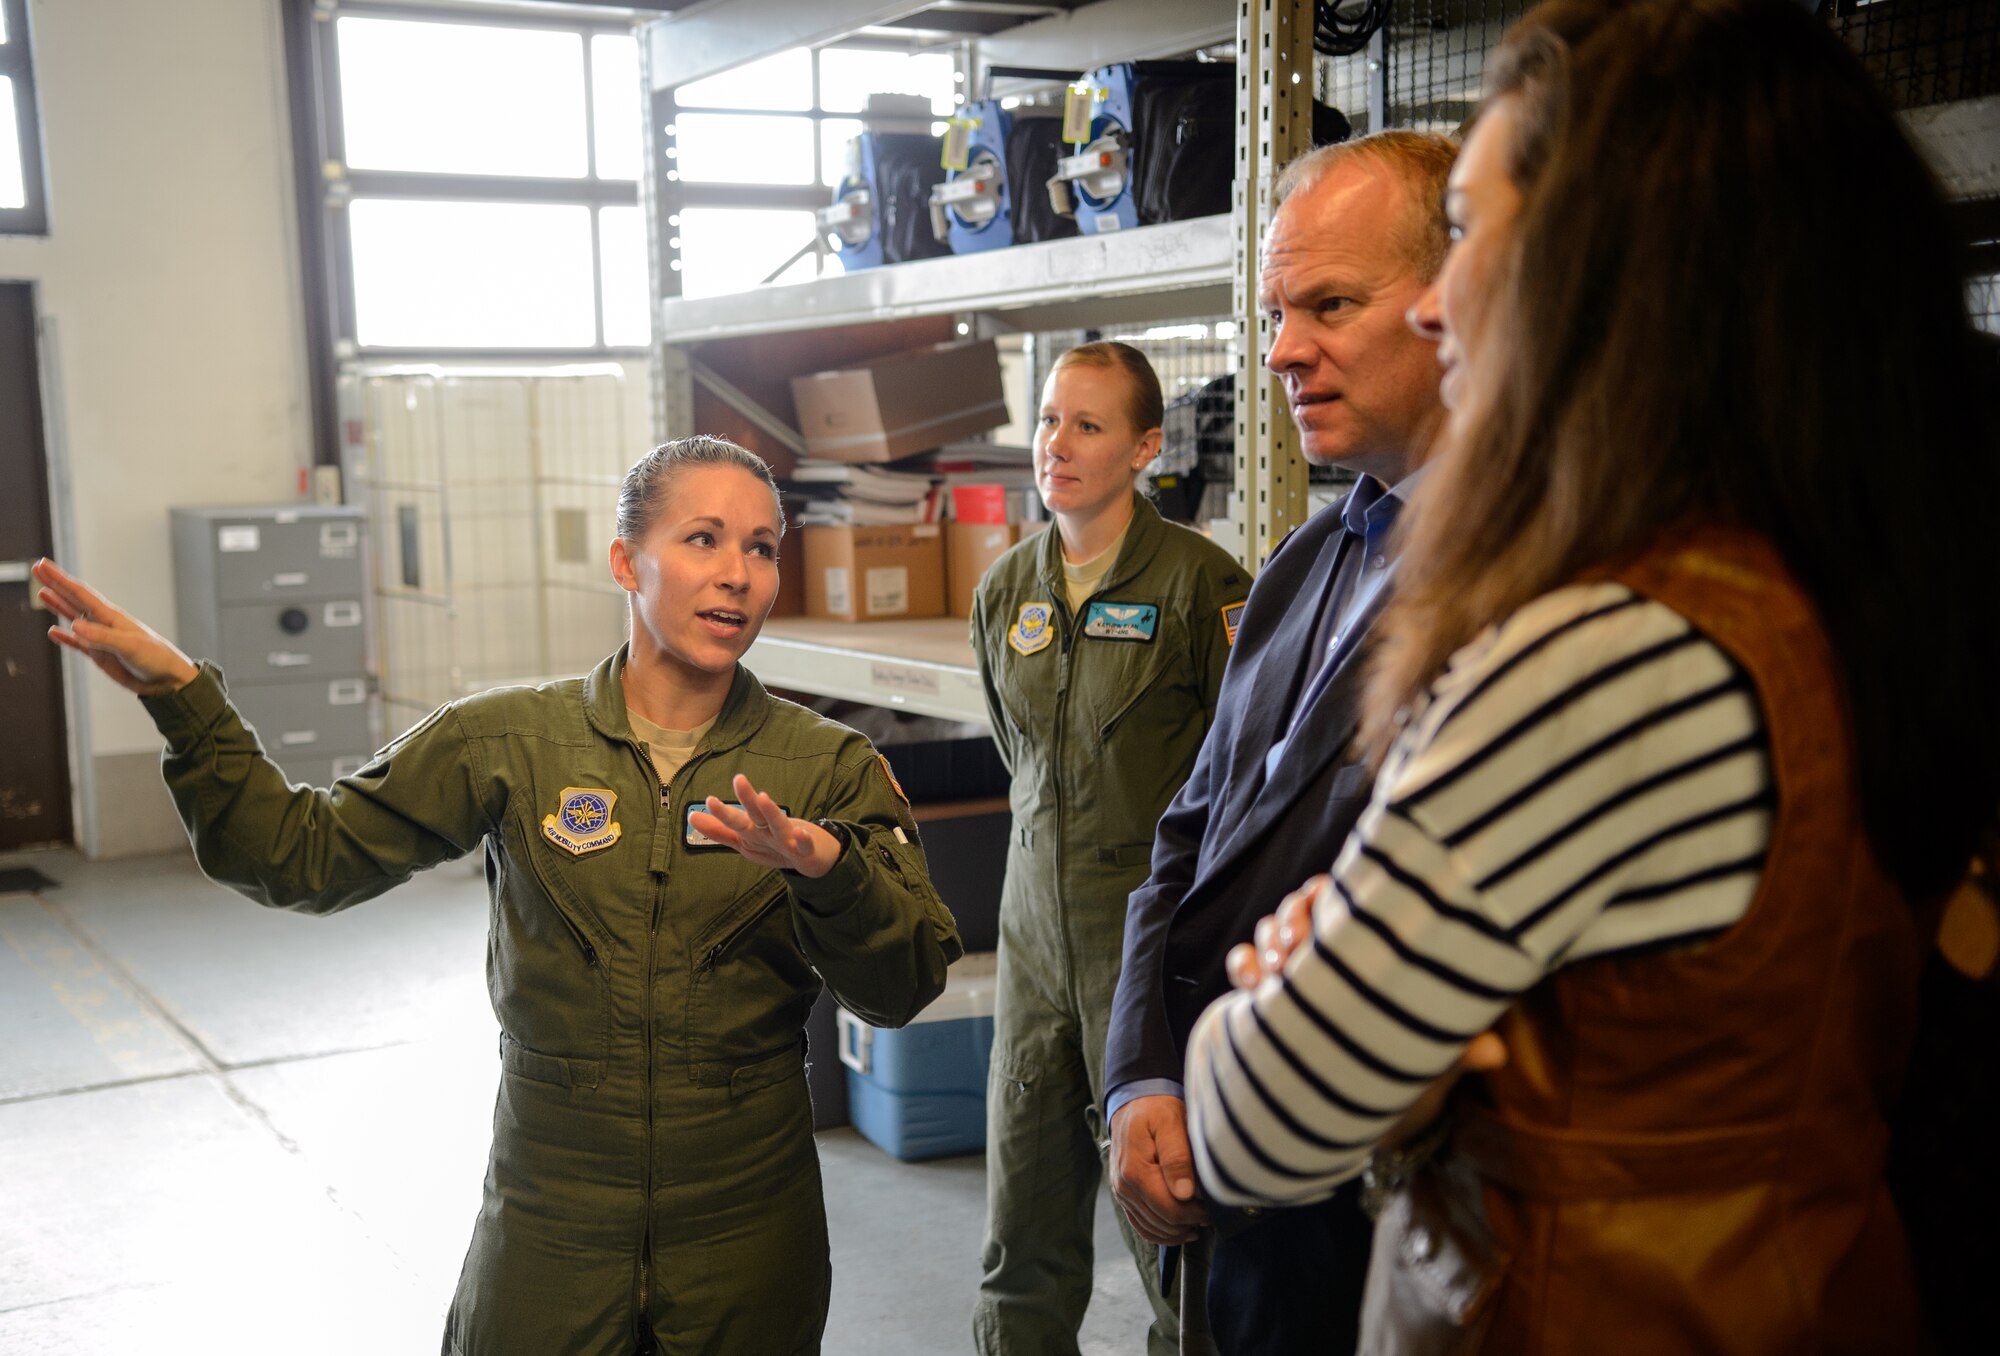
(920, 1092)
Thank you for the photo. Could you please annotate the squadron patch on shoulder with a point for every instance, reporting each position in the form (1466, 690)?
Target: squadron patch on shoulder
(1232, 617)
(890, 773)
(1033, 629)
(1122, 621)
(583, 823)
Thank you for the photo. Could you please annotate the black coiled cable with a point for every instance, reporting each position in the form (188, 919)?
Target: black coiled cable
(1337, 34)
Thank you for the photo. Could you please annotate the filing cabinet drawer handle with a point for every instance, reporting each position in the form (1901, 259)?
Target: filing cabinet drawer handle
(291, 579)
(294, 738)
(346, 692)
(287, 659)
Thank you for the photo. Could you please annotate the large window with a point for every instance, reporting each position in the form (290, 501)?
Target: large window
(481, 182)
(23, 194)
(752, 152)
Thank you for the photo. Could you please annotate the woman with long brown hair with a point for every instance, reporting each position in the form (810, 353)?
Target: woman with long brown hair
(1685, 716)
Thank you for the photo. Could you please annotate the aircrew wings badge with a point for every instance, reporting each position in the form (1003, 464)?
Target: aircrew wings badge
(1033, 629)
(1232, 617)
(584, 823)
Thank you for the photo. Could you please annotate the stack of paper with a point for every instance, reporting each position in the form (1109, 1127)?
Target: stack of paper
(841, 494)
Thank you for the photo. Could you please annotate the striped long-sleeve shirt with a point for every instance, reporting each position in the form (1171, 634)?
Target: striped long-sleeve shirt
(1589, 777)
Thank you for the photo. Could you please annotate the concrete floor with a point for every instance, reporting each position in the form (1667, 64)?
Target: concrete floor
(226, 1130)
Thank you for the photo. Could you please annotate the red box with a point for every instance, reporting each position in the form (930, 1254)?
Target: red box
(985, 504)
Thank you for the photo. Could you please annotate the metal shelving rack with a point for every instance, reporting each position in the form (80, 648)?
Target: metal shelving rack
(1153, 275)
(1423, 70)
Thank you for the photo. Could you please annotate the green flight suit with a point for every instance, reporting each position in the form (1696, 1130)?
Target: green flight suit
(1099, 716)
(653, 1163)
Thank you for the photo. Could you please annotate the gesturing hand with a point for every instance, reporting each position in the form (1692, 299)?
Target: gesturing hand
(1281, 934)
(1278, 936)
(129, 652)
(766, 834)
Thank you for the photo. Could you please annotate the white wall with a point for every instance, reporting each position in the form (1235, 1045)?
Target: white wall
(172, 275)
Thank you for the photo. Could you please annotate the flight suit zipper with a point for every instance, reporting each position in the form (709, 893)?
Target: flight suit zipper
(664, 822)
(1064, 655)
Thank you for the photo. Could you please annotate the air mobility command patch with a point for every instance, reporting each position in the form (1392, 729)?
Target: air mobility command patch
(1122, 621)
(1033, 629)
(583, 824)
(1232, 617)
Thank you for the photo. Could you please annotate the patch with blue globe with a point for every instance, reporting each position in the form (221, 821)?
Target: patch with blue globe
(583, 822)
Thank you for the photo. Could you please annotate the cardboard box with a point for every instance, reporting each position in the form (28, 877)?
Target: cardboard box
(874, 573)
(904, 403)
(968, 549)
(791, 599)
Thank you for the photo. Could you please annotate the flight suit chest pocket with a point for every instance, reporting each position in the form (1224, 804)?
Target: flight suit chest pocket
(749, 983)
(548, 955)
(1027, 686)
(1122, 678)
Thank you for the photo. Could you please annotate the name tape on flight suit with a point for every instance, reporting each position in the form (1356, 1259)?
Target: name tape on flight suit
(1122, 621)
(583, 822)
(696, 838)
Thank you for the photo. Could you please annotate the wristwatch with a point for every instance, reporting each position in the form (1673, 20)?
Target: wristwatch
(839, 832)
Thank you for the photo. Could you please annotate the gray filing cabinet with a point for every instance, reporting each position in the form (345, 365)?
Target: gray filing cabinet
(277, 598)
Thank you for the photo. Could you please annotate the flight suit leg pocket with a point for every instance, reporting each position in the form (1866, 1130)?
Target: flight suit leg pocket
(1018, 1144)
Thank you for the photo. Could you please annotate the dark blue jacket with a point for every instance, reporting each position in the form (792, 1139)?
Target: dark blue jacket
(1230, 847)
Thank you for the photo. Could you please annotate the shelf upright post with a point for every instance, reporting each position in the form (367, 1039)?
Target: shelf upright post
(662, 198)
(1274, 88)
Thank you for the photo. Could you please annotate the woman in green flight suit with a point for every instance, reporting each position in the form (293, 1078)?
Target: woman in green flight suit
(1101, 643)
(676, 860)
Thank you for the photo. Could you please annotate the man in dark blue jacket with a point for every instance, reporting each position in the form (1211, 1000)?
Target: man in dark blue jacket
(1356, 239)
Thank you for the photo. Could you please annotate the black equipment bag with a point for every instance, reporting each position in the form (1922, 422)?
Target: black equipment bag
(906, 169)
(1184, 140)
(1033, 147)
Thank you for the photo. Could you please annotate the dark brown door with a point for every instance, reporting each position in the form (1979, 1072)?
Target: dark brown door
(34, 744)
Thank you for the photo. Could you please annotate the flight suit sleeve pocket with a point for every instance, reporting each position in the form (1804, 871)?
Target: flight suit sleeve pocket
(517, 1058)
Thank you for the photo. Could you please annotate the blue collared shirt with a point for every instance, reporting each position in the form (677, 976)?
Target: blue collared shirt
(1368, 518)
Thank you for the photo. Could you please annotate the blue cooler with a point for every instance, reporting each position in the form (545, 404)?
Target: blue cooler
(920, 1092)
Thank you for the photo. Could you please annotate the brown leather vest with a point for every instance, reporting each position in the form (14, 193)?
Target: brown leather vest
(1684, 1152)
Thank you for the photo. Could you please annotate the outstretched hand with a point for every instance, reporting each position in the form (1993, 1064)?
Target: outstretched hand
(765, 834)
(129, 652)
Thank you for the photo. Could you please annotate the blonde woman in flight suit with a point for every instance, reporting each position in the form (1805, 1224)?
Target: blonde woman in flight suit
(1101, 643)
(677, 859)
